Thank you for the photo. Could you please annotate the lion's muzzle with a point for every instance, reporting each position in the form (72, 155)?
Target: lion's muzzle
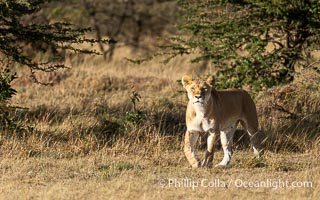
(198, 99)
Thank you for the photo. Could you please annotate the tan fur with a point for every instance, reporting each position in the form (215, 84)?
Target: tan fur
(218, 113)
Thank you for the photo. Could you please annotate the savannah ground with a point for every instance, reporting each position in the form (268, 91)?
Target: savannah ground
(90, 136)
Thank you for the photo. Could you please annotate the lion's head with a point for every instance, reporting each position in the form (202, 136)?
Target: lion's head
(199, 91)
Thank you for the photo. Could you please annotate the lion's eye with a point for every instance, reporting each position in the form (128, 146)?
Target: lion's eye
(205, 89)
(192, 89)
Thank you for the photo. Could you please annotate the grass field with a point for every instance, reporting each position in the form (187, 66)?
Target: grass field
(91, 136)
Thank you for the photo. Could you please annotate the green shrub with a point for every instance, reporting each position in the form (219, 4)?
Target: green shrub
(250, 42)
(6, 93)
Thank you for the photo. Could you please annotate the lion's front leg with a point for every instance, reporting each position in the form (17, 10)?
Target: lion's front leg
(189, 150)
(208, 157)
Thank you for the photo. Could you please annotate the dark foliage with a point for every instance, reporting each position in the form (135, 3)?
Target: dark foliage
(253, 42)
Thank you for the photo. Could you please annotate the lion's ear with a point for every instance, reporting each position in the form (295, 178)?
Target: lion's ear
(186, 80)
(211, 81)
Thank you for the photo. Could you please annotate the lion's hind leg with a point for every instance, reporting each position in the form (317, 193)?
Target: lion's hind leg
(256, 138)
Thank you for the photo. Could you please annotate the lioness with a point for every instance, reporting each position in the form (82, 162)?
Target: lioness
(218, 113)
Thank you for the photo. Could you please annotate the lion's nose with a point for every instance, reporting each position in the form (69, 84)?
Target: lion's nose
(197, 96)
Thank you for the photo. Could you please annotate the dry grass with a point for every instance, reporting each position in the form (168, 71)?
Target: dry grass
(102, 175)
(84, 138)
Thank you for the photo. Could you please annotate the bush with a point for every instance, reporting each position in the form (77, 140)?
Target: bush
(250, 42)
(6, 92)
(19, 36)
